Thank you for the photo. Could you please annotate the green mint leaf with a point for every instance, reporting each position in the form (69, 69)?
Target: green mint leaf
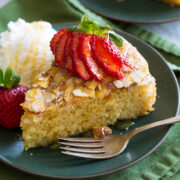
(117, 39)
(1, 77)
(103, 30)
(88, 25)
(91, 27)
(16, 78)
(106, 27)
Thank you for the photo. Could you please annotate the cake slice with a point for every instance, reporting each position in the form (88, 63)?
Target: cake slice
(98, 77)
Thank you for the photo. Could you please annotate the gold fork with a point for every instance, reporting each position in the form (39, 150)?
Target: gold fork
(108, 147)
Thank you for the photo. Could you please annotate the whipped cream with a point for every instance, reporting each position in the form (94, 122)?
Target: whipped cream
(25, 48)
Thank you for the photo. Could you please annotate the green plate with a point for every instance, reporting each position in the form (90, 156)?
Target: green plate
(51, 163)
(134, 11)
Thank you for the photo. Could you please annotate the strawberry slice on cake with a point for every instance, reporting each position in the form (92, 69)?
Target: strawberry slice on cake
(80, 68)
(86, 56)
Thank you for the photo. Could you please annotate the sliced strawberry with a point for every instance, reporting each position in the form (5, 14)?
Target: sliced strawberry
(86, 56)
(78, 63)
(104, 59)
(59, 51)
(115, 52)
(55, 39)
(67, 55)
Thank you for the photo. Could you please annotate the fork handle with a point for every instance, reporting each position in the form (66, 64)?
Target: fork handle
(155, 124)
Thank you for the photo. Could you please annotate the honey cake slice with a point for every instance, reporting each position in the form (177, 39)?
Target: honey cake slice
(98, 77)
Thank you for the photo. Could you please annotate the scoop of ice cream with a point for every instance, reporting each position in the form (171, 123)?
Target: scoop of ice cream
(25, 48)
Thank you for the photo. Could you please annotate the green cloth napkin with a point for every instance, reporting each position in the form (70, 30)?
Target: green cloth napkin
(164, 163)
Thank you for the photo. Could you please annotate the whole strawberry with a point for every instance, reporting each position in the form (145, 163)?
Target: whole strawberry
(11, 96)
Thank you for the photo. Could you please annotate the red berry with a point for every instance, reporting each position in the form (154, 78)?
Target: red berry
(59, 54)
(105, 59)
(86, 55)
(115, 53)
(78, 63)
(55, 39)
(67, 56)
(10, 109)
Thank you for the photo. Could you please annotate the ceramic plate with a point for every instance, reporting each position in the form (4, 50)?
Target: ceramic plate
(51, 163)
(139, 11)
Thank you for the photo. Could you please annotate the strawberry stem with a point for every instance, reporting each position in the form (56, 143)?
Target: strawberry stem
(10, 78)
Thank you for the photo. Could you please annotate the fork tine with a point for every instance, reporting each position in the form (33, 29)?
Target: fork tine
(86, 145)
(81, 139)
(84, 155)
(84, 150)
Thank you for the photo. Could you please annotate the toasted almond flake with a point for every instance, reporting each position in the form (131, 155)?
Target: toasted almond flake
(43, 81)
(99, 86)
(35, 101)
(68, 91)
(58, 99)
(125, 82)
(59, 96)
(78, 92)
(137, 76)
(50, 96)
(118, 83)
(104, 92)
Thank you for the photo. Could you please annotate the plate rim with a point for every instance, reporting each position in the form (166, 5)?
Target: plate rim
(131, 21)
(170, 127)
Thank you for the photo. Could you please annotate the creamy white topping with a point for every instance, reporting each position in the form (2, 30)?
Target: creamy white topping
(25, 48)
